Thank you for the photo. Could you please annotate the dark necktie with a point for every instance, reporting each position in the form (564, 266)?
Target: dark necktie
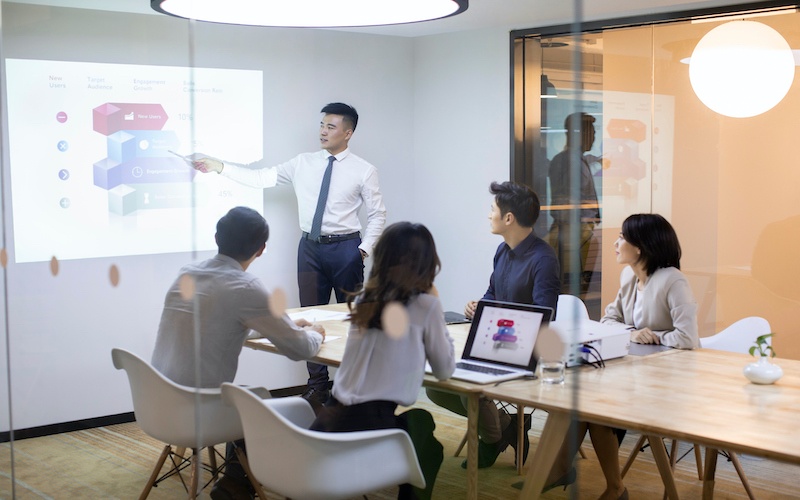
(316, 222)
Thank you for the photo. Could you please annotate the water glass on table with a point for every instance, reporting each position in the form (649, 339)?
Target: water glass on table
(551, 371)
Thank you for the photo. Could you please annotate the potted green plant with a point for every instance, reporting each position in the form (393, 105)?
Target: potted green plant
(763, 371)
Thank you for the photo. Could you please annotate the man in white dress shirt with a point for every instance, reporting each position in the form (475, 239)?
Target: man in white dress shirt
(331, 252)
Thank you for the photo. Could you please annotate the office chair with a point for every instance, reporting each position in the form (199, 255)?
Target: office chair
(738, 337)
(570, 306)
(183, 417)
(293, 461)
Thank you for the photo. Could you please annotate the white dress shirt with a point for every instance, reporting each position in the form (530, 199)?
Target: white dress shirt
(354, 182)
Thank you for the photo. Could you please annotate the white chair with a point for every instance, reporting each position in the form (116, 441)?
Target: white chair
(738, 337)
(183, 417)
(570, 306)
(295, 462)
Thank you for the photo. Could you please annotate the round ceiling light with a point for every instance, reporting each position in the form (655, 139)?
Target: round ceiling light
(741, 69)
(311, 13)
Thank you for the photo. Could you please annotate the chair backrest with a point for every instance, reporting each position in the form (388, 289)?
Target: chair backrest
(296, 462)
(571, 307)
(739, 336)
(175, 414)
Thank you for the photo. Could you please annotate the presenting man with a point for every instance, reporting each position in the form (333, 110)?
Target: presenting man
(564, 167)
(211, 307)
(525, 272)
(331, 185)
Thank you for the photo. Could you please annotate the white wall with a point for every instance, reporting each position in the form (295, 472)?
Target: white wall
(461, 145)
(61, 329)
(434, 120)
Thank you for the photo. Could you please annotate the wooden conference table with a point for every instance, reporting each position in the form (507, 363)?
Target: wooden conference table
(331, 354)
(698, 396)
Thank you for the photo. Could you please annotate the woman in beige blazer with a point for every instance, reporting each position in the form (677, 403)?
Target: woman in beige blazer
(654, 298)
(657, 305)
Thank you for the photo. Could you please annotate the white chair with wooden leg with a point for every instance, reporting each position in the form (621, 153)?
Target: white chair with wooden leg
(570, 306)
(738, 337)
(642, 443)
(183, 417)
(288, 458)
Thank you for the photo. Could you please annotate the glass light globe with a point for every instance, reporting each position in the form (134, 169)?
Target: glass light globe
(741, 69)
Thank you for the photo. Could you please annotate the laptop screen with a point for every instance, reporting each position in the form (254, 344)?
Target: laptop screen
(505, 333)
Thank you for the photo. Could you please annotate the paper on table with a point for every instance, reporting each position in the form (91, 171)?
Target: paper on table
(313, 315)
(266, 341)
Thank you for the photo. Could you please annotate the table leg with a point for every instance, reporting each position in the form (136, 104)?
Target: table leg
(520, 436)
(663, 463)
(709, 472)
(553, 436)
(472, 445)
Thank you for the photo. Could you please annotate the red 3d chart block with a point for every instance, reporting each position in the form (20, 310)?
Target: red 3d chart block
(112, 117)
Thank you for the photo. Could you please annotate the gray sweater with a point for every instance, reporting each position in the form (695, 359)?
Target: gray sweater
(227, 303)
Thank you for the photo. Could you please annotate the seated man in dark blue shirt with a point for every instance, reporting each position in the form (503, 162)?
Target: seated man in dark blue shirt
(525, 271)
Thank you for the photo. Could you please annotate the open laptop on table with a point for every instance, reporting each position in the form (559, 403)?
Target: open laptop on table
(501, 340)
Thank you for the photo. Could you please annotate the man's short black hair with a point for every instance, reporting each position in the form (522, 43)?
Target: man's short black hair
(241, 233)
(578, 122)
(518, 199)
(348, 112)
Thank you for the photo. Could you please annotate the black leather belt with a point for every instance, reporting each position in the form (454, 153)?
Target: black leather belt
(332, 238)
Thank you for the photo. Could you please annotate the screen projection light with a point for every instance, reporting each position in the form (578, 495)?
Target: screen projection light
(311, 13)
(741, 69)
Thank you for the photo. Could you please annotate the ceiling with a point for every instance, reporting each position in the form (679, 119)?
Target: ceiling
(481, 14)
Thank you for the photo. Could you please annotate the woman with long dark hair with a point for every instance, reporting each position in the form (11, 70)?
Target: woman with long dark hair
(397, 324)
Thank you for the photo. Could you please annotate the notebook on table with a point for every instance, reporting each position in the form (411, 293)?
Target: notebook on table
(501, 341)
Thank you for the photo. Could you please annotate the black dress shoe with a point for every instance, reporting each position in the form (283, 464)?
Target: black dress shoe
(564, 481)
(488, 453)
(510, 436)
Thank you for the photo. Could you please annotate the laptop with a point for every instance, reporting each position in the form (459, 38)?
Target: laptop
(454, 318)
(501, 340)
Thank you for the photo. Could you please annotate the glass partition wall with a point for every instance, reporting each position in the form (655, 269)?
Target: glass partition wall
(89, 251)
(99, 215)
(100, 212)
(727, 184)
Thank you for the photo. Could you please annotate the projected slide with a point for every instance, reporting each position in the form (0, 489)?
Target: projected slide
(96, 156)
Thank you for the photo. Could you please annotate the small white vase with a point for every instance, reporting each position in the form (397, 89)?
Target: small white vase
(763, 371)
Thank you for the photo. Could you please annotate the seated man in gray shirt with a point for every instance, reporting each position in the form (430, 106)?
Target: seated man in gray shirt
(216, 303)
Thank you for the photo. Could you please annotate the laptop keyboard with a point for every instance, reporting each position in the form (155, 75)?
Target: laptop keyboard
(482, 369)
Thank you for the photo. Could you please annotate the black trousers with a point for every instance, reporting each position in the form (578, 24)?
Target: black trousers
(322, 268)
(373, 415)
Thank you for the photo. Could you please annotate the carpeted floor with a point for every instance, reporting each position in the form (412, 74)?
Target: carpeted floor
(115, 462)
